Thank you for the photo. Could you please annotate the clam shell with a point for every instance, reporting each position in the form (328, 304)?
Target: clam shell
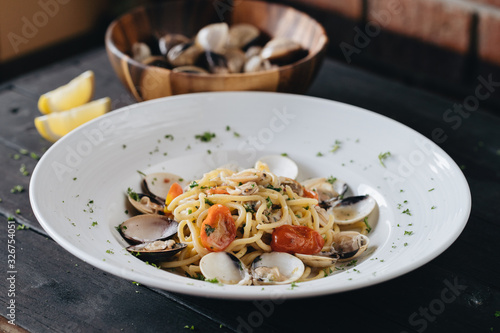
(240, 35)
(276, 268)
(225, 267)
(168, 41)
(146, 204)
(158, 184)
(349, 245)
(155, 256)
(352, 209)
(185, 54)
(316, 261)
(148, 228)
(213, 37)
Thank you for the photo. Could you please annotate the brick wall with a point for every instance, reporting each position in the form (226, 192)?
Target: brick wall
(462, 26)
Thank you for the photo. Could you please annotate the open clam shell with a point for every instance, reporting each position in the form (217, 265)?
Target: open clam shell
(148, 228)
(213, 37)
(316, 260)
(225, 267)
(352, 209)
(276, 268)
(146, 204)
(349, 245)
(158, 184)
(280, 165)
(156, 251)
(240, 35)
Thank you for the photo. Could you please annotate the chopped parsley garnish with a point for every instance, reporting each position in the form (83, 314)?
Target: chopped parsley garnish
(249, 208)
(383, 156)
(405, 244)
(132, 194)
(327, 271)
(190, 211)
(169, 137)
(336, 147)
(34, 156)
(214, 280)
(23, 170)
(432, 189)
(352, 262)
(209, 151)
(368, 228)
(136, 283)
(124, 146)
(17, 189)
(193, 184)
(228, 128)
(331, 179)
(406, 211)
(284, 154)
(94, 223)
(23, 151)
(189, 327)
(236, 134)
(497, 314)
(18, 211)
(293, 285)
(278, 189)
(21, 227)
(141, 173)
(209, 229)
(205, 137)
(110, 252)
(208, 202)
(269, 202)
(433, 207)
(319, 154)
(409, 233)
(16, 156)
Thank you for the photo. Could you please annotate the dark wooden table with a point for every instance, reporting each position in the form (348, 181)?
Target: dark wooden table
(57, 292)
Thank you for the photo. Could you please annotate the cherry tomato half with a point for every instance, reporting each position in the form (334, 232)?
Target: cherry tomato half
(296, 239)
(311, 194)
(174, 191)
(218, 230)
(217, 190)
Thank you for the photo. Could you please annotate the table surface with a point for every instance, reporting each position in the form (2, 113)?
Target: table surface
(57, 292)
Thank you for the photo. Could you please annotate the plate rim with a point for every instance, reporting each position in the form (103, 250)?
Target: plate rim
(214, 293)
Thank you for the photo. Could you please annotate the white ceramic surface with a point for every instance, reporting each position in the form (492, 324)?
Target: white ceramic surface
(78, 187)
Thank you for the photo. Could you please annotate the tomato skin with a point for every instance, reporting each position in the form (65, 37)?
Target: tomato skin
(218, 229)
(296, 239)
(174, 191)
(311, 194)
(217, 190)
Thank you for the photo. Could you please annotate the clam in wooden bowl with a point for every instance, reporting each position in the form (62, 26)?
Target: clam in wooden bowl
(144, 24)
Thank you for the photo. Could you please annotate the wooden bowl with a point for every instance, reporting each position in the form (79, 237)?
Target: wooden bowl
(188, 17)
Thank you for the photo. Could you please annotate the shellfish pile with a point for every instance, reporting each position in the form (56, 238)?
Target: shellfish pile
(219, 49)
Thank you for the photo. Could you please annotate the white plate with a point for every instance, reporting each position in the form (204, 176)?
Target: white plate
(77, 189)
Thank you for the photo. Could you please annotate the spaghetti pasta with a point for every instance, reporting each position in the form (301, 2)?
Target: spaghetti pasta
(256, 203)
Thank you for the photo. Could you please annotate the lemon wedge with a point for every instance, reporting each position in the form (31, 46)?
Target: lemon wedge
(75, 93)
(55, 125)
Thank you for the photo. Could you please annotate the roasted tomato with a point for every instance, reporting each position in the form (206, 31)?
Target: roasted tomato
(311, 194)
(217, 190)
(218, 230)
(296, 239)
(174, 191)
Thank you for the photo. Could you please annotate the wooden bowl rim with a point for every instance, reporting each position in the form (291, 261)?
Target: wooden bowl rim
(114, 49)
